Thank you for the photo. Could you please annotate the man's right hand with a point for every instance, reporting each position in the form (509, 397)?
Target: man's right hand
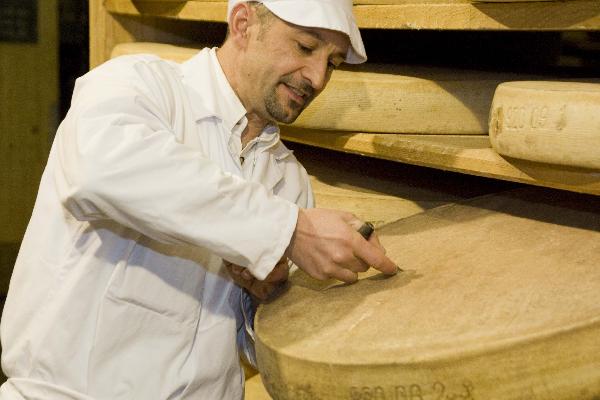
(326, 245)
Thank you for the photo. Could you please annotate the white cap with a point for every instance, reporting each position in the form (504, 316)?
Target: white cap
(328, 14)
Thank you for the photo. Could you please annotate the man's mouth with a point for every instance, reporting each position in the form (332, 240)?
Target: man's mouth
(299, 95)
(296, 94)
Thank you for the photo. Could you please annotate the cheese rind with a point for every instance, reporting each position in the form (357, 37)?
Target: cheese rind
(397, 99)
(255, 390)
(499, 300)
(385, 98)
(547, 122)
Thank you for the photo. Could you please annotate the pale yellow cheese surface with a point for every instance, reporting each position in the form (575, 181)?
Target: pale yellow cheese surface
(549, 122)
(385, 98)
(500, 299)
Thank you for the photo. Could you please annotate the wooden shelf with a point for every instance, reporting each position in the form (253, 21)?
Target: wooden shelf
(469, 154)
(403, 14)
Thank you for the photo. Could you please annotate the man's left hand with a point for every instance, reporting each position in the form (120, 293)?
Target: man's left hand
(260, 290)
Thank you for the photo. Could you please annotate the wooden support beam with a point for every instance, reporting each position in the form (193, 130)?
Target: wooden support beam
(399, 14)
(470, 154)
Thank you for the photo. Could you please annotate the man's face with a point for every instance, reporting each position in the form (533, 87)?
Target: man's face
(288, 66)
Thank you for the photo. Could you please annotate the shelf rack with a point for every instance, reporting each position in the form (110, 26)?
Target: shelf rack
(390, 14)
(119, 22)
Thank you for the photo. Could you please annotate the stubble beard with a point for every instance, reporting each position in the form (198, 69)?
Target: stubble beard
(289, 112)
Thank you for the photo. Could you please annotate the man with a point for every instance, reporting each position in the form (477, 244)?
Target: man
(160, 177)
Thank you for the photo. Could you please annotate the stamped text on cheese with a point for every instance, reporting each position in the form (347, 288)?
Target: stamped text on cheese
(434, 391)
(533, 117)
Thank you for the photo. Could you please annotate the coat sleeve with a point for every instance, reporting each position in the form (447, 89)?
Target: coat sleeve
(119, 159)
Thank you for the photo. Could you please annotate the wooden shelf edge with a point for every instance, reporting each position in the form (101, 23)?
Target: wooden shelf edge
(187, 10)
(555, 15)
(468, 154)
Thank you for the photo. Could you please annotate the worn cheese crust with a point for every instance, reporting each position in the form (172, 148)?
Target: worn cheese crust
(549, 122)
(500, 300)
(385, 98)
(400, 99)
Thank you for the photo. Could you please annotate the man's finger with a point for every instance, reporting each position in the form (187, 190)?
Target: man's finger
(246, 284)
(233, 268)
(279, 273)
(356, 265)
(261, 289)
(374, 256)
(374, 240)
(344, 275)
(246, 275)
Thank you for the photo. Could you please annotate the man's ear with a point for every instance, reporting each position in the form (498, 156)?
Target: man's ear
(239, 23)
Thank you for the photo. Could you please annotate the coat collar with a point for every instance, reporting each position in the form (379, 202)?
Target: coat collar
(212, 95)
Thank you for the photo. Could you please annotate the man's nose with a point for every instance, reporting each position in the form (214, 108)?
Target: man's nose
(317, 73)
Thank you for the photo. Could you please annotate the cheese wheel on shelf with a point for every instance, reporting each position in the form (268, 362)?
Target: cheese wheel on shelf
(548, 122)
(380, 192)
(400, 99)
(386, 98)
(500, 299)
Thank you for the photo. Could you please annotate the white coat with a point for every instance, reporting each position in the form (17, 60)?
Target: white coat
(119, 290)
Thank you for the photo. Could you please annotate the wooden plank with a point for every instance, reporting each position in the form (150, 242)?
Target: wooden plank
(538, 15)
(196, 11)
(105, 33)
(28, 119)
(468, 154)
(500, 299)
(166, 51)
(108, 30)
(508, 1)
(573, 15)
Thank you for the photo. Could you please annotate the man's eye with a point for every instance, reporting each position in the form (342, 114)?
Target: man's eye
(331, 65)
(304, 49)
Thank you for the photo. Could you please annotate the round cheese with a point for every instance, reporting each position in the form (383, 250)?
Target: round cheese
(500, 299)
(548, 122)
(400, 99)
(385, 98)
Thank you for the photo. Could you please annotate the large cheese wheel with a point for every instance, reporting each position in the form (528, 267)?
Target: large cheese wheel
(367, 205)
(380, 191)
(377, 191)
(500, 299)
(399, 99)
(386, 98)
(549, 122)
